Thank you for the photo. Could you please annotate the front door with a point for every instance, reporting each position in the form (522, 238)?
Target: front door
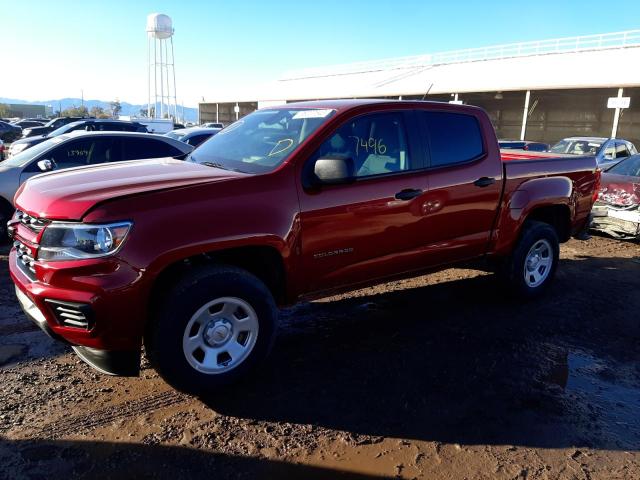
(367, 229)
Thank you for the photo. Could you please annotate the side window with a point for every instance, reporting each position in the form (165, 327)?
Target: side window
(453, 137)
(86, 151)
(621, 150)
(376, 143)
(197, 139)
(139, 148)
(83, 126)
(610, 151)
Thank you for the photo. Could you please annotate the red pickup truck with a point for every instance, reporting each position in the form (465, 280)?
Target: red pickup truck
(191, 257)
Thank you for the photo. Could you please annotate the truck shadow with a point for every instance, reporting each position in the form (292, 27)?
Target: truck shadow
(458, 362)
(108, 460)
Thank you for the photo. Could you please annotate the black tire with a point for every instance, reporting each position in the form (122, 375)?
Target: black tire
(164, 337)
(513, 270)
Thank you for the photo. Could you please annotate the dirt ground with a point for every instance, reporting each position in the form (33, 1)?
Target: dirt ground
(440, 377)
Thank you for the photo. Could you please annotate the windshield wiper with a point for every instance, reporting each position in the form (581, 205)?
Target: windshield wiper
(214, 164)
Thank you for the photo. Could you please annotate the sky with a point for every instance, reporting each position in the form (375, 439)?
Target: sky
(56, 49)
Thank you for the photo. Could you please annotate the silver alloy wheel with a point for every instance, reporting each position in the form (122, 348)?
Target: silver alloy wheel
(220, 335)
(537, 263)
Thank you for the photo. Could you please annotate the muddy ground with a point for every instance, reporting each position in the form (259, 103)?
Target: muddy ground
(440, 377)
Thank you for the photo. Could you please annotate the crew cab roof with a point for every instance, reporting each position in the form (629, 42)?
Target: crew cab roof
(348, 104)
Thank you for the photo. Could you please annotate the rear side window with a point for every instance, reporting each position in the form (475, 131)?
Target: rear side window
(453, 137)
(139, 148)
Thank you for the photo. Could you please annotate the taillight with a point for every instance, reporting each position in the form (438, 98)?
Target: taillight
(596, 189)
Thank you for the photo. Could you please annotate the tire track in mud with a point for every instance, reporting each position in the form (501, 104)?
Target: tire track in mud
(85, 423)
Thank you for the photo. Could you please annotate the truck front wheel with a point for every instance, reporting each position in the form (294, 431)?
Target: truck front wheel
(214, 327)
(532, 265)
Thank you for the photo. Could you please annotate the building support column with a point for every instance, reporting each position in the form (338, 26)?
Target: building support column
(525, 115)
(217, 113)
(616, 117)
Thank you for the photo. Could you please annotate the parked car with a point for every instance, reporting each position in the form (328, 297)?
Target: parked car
(156, 125)
(523, 145)
(50, 126)
(617, 209)
(608, 151)
(193, 136)
(98, 125)
(2, 152)
(77, 149)
(191, 257)
(28, 123)
(213, 125)
(9, 132)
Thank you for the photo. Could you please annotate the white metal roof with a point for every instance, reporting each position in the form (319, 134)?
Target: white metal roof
(594, 61)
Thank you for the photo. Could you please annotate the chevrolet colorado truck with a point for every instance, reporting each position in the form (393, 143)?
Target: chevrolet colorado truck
(192, 257)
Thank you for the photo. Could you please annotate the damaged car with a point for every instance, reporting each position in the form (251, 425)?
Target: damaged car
(617, 209)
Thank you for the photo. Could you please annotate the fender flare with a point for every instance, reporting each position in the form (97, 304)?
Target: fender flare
(529, 196)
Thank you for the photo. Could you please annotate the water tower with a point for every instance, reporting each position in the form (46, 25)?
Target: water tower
(161, 72)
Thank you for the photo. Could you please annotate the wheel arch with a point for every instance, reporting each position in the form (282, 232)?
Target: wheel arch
(265, 262)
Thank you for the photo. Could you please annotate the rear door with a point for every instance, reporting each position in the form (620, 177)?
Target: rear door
(138, 148)
(465, 184)
(368, 229)
(77, 153)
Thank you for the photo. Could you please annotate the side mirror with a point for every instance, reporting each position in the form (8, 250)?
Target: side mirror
(334, 170)
(45, 165)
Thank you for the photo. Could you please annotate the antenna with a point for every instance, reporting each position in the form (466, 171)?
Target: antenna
(161, 70)
(427, 92)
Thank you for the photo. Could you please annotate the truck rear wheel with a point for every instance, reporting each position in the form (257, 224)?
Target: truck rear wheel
(532, 265)
(215, 326)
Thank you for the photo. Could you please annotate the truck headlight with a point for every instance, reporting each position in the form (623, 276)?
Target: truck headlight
(73, 241)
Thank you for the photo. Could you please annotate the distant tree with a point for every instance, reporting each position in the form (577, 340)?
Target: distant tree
(116, 108)
(4, 110)
(98, 112)
(75, 112)
(143, 112)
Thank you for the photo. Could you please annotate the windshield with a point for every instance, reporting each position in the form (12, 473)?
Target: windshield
(64, 129)
(577, 147)
(175, 134)
(261, 141)
(629, 167)
(24, 157)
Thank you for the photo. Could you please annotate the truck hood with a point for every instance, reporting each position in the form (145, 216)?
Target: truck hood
(69, 194)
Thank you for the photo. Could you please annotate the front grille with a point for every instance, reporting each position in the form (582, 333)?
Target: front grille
(25, 260)
(70, 314)
(34, 223)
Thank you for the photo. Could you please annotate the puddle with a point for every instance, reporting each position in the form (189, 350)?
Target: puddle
(609, 394)
(11, 352)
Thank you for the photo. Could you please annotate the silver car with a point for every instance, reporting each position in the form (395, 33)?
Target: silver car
(608, 151)
(77, 149)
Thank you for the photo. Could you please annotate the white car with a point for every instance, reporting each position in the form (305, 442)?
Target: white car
(76, 149)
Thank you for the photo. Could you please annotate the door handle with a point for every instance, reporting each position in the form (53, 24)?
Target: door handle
(408, 193)
(484, 182)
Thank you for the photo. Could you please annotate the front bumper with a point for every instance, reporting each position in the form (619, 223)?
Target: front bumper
(110, 288)
(121, 363)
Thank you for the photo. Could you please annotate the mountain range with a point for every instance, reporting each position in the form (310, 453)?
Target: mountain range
(190, 114)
